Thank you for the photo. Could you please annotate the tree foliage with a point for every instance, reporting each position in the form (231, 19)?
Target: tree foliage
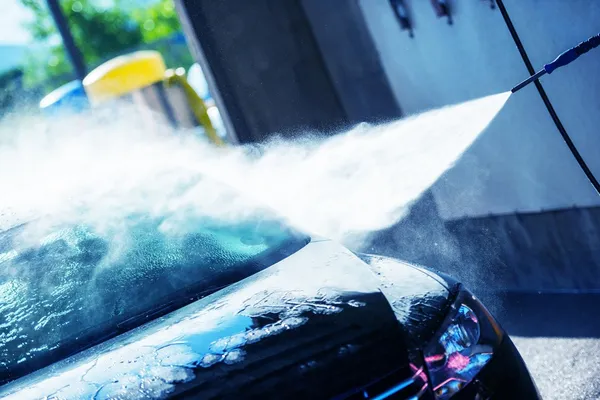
(101, 30)
(157, 21)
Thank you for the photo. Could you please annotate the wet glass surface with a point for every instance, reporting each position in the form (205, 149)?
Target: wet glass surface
(73, 282)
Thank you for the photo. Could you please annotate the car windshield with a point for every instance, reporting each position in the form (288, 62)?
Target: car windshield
(77, 285)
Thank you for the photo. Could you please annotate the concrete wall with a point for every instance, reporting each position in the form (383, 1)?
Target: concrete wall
(534, 251)
(265, 65)
(516, 209)
(520, 163)
(549, 29)
(352, 60)
(542, 251)
(287, 66)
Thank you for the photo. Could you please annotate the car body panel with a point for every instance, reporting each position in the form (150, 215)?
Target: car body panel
(67, 287)
(323, 292)
(418, 297)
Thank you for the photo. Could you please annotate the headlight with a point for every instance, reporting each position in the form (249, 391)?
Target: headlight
(462, 347)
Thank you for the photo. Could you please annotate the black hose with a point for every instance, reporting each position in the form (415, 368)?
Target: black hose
(546, 100)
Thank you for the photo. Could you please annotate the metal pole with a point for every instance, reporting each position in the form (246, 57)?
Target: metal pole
(73, 51)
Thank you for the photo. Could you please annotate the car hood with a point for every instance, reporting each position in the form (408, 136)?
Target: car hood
(280, 331)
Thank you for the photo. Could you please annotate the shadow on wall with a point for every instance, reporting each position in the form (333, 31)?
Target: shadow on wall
(421, 238)
(544, 251)
(497, 222)
(547, 314)
(529, 269)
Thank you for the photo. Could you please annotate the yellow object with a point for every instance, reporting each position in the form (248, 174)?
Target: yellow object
(135, 71)
(124, 74)
(177, 77)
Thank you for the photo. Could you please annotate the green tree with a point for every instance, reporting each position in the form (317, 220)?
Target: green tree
(159, 20)
(100, 31)
(159, 23)
(97, 31)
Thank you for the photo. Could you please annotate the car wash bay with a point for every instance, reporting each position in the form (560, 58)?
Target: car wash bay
(517, 208)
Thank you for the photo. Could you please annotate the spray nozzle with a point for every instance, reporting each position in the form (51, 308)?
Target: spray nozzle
(563, 59)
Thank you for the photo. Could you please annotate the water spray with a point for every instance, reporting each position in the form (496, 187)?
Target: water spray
(564, 59)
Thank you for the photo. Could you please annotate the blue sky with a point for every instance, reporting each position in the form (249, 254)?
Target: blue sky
(13, 37)
(11, 18)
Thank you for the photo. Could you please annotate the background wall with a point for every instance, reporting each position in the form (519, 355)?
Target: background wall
(288, 66)
(352, 60)
(516, 209)
(268, 70)
(520, 164)
(548, 29)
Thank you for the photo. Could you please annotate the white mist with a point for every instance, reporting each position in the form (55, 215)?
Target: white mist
(100, 169)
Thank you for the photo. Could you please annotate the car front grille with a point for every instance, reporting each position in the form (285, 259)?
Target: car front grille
(395, 386)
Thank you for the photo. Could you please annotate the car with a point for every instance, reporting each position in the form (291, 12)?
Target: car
(208, 305)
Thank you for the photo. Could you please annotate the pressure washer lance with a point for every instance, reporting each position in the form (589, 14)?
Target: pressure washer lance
(565, 58)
